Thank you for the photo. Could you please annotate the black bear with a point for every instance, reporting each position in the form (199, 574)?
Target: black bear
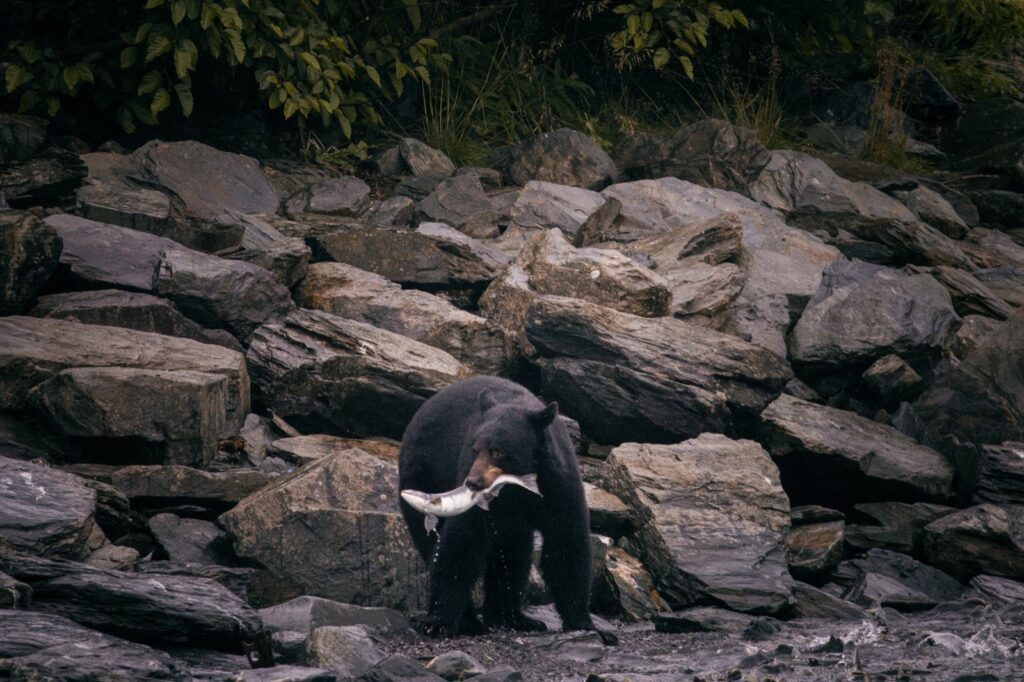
(472, 432)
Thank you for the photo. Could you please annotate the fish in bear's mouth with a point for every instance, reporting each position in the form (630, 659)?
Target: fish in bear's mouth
(462, 499)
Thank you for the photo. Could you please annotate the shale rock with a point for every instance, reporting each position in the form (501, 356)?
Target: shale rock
(969, 294)
(708, 531)
(423, 160)
(890, 379)
(455, 665)
(543, 205)
(993, 249)
(156, 487)
(29, 252)
(564, 157)
(814, 549)
(345, 196)
(812, 602)
(863, 312)
(830, 456)
(333, 528)
(985, 539)
(626, 589)
(49, 179)
(996, 590)
(20, 136)
(345, 650)
(1000, 208)
(213, 291)
(130, 310)
(883, 578)
(394, 211)
(932, 208)
(1001, 474)
(265, 246)
(45, 511)
(460, 202)
(626, 377)
(320, 370)
(190, 540)
(14, 594)
(355, 294)
(1006, 282)
(988, 138)
(305, 614)
(899, 529)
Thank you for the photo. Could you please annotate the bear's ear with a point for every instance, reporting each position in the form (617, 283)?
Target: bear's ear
(487, 399)
(544, 416)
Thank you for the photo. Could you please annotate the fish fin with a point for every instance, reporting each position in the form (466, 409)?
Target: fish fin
(484, 502)
(430, 523)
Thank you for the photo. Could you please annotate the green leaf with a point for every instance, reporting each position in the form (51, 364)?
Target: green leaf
(412, 9)
(141, 33)
(346, 125)
(290, 107)
(29, 52)
(372, 73)
(633, 23)
(161, 100)
(15, 76)
(661, 57)
(237, 46)
(52, 105)
(129, 55)
(85, 73)
(124, 117)
(71, 78)
(184, 94)
(158, 45)
(310, 59)
(658, 4)
(27, 100)
(153, 4)
(185, 57)
(687, 66)
(178, 11)
(149, 83)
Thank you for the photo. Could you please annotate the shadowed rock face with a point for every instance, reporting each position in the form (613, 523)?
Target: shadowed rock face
(712, 520)
(29, 251)
(564, 157)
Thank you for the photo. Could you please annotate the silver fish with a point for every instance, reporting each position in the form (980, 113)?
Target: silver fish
(462, 499)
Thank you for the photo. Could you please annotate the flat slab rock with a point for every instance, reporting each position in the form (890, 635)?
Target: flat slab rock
(634, 378)
(544, 205)
(153, 487)
(33, 350)
(984, 539)
(333, 528)
(708, 531)
(45, 646)
(320, 370)
(215, 292)
(165, 609)
(835, 457)
(305, 614)
(45, 511)
(1001, 474)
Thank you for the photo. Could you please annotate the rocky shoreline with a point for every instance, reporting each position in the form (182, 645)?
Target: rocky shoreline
(795, 384)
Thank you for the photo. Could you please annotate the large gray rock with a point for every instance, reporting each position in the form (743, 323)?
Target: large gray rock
(156, 487)
(188, 540)
(900, 526)
(883, 578)
(1006, 282)
(346, 650)
(333, 529)
(347, 291)
(45, 511)
(985, 539)
(431, 256)
(215, 292)
(814, 549)
(33, 349)
(544, 205)
(43, 646)
(460, 202)
(1000, 477)
(997, 591)
(931, 207)
(421, 159)
(267, 247)
(626, 377)
(969, 294)
(157, 416)
(305, 614)
(862, 312)
(169, 609)
(564, 157)
(993, 249)
(345, 196)
(131, 310)
(549, 265)
(833, 457)
(322, 370)
(712, 520)
(29, 253)
(712, 153)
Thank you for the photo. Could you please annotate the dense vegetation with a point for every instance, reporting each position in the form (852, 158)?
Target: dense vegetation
(468, 74)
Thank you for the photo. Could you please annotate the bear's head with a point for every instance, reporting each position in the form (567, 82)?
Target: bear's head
(509, 441)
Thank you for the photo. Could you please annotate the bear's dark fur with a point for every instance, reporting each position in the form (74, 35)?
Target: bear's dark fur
(504, 426)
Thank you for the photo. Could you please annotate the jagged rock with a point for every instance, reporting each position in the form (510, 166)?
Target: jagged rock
(979, 400)
(651, 380)
(702, 619)
(393, 211)
(153, 416)
(988, 137)
(421, 159)
(549, 265)
(863, 312)
(1006, 282)
(890, 380)
(418, 187)
(834, 457)
(818, 604)
(972, 331)
(349, 292)
(712, 153)
(130, 310)
(431, 256)
(1000, 477)
(400, 668)
(189, 540)
(157, 487)
(999, 591)
(899, 243)
(707, 531)
(173, 610)
(543, 205)
(14, 594)
(993, 249)
(625, 589)
(305, 614)
(46, 180)
(45, 511)
(345, 196)
(322, 370)
(333, 528)
(1000, 208)
(239, 580)
(969, 294)
(490, 178)
(32, 350)
(460, 202)
(608, 515)
(900, 526)
(29, 253)
(345, 650)
(812, 513)
(214, 291)
(20, 136)
(932, 208)
(891, 579)
(305, 449)
(564, 157)
(985, 539)
(455, 665)
(265, 246)
(814, 549)
(38, 646)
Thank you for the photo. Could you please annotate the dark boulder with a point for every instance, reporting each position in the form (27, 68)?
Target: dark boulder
(564, 157)
(29, 252)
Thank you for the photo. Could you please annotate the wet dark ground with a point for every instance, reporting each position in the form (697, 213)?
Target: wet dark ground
(962, 641)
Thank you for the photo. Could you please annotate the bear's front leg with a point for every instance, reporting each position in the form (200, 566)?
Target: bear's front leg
(459, 559)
